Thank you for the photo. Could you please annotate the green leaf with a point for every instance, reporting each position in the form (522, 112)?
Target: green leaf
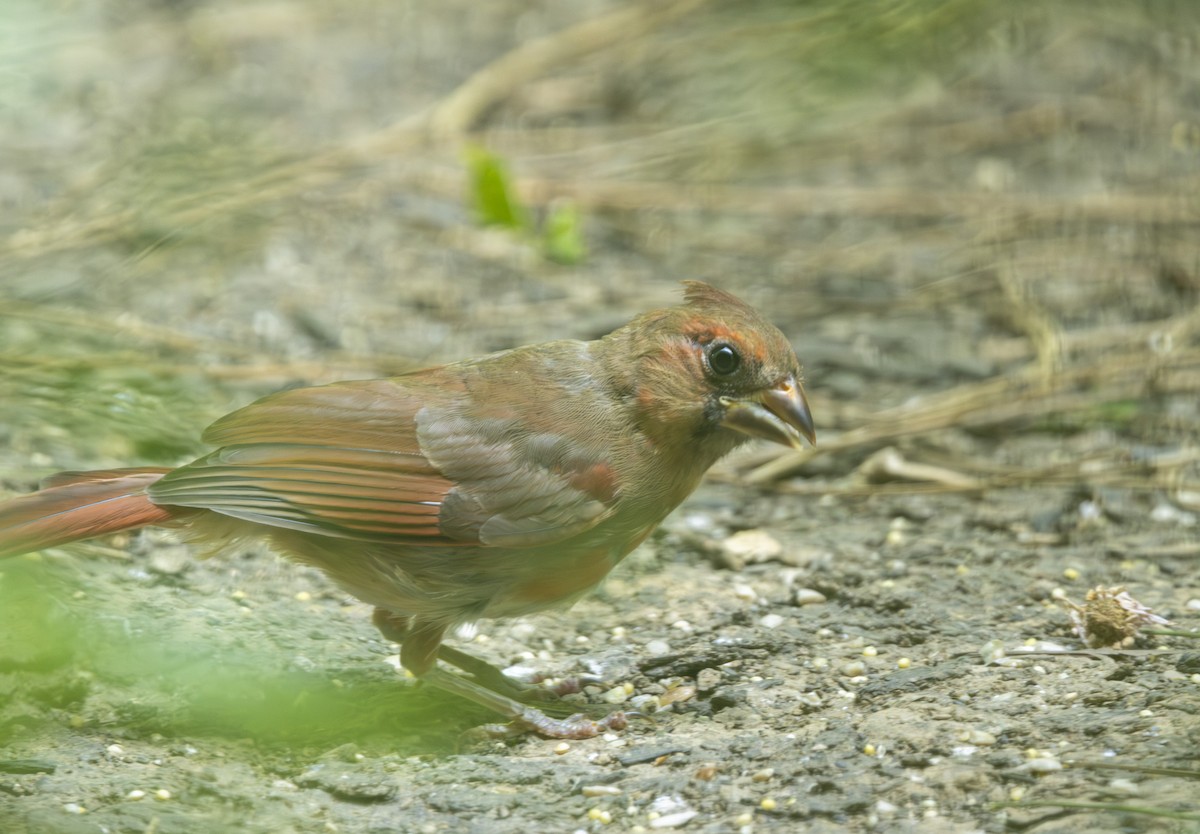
(492, 192)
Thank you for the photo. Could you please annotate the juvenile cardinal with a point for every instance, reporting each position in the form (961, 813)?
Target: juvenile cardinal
(492, 487)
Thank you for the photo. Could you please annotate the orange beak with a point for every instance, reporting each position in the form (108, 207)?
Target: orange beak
(778, 414)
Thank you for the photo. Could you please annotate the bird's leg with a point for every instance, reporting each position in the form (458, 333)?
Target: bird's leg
(419, 651)
(395, 627)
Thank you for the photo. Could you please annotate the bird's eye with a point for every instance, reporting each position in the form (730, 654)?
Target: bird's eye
(723, 359)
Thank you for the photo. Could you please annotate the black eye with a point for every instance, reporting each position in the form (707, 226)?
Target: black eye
(723, 359)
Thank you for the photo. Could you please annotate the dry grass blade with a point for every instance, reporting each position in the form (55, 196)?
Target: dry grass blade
(1124, 371)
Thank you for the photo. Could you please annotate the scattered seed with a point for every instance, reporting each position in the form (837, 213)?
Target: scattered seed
(599, 815)
(600, 790)
(903, 662)
(303, 596)
(870, 651)
(162, 794)
(136, 794)
(768, 804)
(561, 748)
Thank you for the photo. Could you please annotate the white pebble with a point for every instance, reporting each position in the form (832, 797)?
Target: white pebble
(672, 820)
(745, 593)
(752, 546)
(853, 669)
(771, 621)
(1124, 786)
(1043, 765)
(808, 596)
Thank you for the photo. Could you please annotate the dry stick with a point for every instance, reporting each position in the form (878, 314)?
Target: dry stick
(862, 202)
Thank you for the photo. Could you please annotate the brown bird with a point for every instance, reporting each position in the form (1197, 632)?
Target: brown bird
(491, 487)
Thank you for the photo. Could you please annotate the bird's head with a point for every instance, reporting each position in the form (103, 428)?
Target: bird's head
(711, 370)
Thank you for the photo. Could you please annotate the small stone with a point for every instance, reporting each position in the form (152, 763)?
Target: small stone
(1043, 765)
(1126, 787)
(744, 592)
(807, 596)
(764, 775)
(750, 547)
(562, 748)
(708, 680)
(771, 621)
(853, 669)
(618, 694)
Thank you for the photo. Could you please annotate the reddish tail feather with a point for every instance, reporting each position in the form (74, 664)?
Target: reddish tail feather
(80, 505)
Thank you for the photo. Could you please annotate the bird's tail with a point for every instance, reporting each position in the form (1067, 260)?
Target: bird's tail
(80, 505)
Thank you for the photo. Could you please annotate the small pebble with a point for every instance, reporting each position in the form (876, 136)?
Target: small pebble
(979, 737)
(744, 818)
(903, 662)
(764, 775)
(74, 808)
(745, 593)
(771, 621)
(672, 820)
(808, 596)
(618, 694)
(768, 804)
(562, 748)
(853, 669)
(658, 648)
(1192, 604)
(303, 596)
(136, 794)
(1042, 766)
(677, 694)
(1124, 786)
(870, 651)
(1070, 574)
(751, 546)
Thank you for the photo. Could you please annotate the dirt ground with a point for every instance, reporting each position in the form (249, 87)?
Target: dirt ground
(977, 223)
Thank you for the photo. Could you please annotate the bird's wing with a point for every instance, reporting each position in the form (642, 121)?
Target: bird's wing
(402, 461)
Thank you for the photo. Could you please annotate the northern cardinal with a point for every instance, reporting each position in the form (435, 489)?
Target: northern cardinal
(491, 487)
